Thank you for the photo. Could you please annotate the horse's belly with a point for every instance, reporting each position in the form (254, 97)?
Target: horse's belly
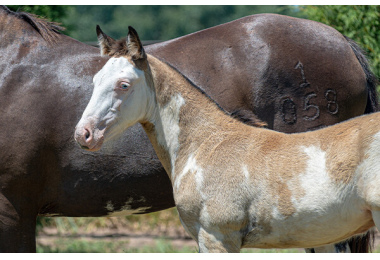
(310, 230)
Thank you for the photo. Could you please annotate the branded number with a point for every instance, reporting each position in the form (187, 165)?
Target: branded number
(289, 108)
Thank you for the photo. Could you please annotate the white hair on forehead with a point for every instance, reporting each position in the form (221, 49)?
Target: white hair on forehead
(115, 69)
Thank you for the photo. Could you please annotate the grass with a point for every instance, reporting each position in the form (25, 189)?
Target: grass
(63, 245)
(158, 221)
(73, 235)
(68, 245)
(162, 245)
(70, 230)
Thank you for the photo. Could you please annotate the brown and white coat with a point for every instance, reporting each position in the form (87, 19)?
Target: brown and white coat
(235, 185)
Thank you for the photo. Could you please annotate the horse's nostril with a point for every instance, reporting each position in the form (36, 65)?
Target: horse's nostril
(87, 134)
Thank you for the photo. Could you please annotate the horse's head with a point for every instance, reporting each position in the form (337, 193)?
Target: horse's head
(121, 95)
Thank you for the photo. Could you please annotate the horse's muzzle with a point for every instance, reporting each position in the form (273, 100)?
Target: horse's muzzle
(87, 138)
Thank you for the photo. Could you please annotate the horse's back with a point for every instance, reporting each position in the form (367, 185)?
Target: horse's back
(294, 74)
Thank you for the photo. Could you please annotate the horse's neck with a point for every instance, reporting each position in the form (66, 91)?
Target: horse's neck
(183, 118)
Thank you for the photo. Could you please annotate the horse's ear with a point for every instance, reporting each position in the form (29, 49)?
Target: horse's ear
(105, 42)
(135, 47)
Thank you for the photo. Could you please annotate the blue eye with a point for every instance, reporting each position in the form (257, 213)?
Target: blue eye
(124, 86)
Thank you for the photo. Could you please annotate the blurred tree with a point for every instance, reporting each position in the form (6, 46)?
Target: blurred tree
(157, 22)
(54, 13)
(361, 23)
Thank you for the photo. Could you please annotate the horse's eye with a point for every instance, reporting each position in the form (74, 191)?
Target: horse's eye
(124, 86)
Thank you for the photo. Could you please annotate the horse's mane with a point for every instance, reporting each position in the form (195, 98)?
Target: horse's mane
(48, 30)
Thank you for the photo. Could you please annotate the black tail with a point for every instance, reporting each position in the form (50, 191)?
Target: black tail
(372, 81)
(362, 244)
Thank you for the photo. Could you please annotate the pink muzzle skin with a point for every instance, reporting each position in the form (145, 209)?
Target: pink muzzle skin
(88, 137)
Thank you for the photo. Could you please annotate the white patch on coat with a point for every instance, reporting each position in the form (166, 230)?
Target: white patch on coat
(315, 182)
(168, 121)
(199, 179)
(323, 207)
(276, 214)
(246, 172)
(124, 210)
(190, 167)
(318, 191)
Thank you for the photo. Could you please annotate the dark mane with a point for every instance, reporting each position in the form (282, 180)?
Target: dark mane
(48, 30)
(245, 116)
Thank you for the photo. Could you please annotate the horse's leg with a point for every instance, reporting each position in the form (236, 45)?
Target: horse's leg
(17, 232)
(332, 248)
(218, 241)
(342, 247)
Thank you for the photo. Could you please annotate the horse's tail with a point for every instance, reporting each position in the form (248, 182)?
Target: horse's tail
(364, 244)
(372, 81)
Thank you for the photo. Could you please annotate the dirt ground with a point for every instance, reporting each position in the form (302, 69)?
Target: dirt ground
(175, 236)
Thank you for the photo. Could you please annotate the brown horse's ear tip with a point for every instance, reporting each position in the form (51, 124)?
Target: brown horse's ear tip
(98, 30)
(131, 30)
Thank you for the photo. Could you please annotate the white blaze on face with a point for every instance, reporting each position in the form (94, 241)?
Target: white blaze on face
(112, 105)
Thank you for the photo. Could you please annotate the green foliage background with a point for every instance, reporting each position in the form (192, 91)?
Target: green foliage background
(54, 13)
(359, 22)
(162, 22)
(153, 22)
(156, 22)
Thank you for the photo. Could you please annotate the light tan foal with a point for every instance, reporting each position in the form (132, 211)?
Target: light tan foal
(235, 185)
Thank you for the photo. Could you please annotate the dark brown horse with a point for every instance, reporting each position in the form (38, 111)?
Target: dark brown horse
(299, 75)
